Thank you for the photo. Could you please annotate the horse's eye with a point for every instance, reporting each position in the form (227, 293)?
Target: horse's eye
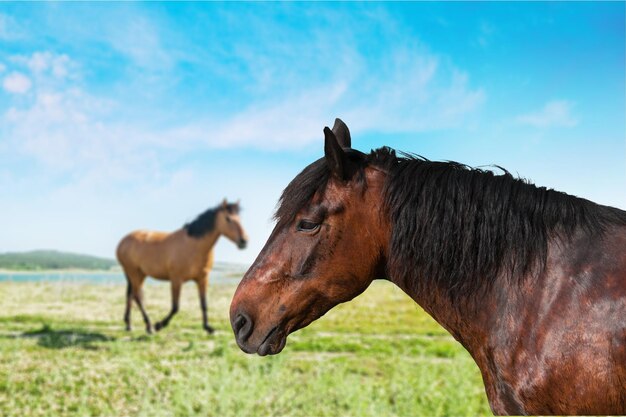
(307, 226)
(228, 219)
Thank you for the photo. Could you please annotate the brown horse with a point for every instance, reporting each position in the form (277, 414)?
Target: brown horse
(531, 281)
(183, 255)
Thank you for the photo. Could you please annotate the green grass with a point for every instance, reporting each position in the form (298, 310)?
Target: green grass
(63, 351)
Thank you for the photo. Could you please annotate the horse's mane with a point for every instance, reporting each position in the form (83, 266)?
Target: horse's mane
(458, 227)
(205, 222)
(461, 228)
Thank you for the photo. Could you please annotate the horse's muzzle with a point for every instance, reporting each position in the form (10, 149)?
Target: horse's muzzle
(272, 343)
(242, 244)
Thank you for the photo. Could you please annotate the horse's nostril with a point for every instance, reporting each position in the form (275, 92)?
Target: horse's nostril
(240, 321)
(242, 327)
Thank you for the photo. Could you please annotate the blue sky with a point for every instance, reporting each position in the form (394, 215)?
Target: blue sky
(118, 116)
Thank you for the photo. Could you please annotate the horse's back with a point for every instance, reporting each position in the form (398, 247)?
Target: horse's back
(140, 249)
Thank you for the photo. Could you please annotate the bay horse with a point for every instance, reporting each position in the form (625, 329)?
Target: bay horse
(531, 281)
(183, 255)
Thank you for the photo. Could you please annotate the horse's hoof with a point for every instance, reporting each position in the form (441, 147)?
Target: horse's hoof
(158, 326)
(149, 330)
(209, 329)
(128, 329)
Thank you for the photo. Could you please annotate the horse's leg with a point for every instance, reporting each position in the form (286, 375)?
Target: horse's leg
(138, 297)
(175, 300)
(129, 304)
(202, 287)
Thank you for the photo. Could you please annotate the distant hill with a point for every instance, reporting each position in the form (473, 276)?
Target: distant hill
(51, 259)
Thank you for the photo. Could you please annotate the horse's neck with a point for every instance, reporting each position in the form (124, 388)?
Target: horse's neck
(492, 317)
(464, 319)
(206, 242)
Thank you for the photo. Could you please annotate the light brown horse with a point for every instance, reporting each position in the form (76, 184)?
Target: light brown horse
(183, 255)
(531, 281)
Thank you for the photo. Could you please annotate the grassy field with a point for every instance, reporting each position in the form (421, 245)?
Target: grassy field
(63, 351)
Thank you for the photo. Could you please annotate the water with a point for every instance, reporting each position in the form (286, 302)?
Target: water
(221, 274)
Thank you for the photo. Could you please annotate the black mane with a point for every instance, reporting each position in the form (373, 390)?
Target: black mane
(205, 222)
(458, 227)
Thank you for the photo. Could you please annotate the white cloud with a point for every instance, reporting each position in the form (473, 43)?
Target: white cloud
(141, 42)
(390, 83)
(46, 63)
(16, 83)
(556, 113)
(406, 89)
(411, 102)
(68, 130)
(486, 31)
(417, 93)
(62, 126)
(9, 29)
(64, 131)
(287, 124)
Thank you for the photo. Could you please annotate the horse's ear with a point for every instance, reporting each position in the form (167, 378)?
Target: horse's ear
(335, 156)
(342, 133)
(224, 203)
